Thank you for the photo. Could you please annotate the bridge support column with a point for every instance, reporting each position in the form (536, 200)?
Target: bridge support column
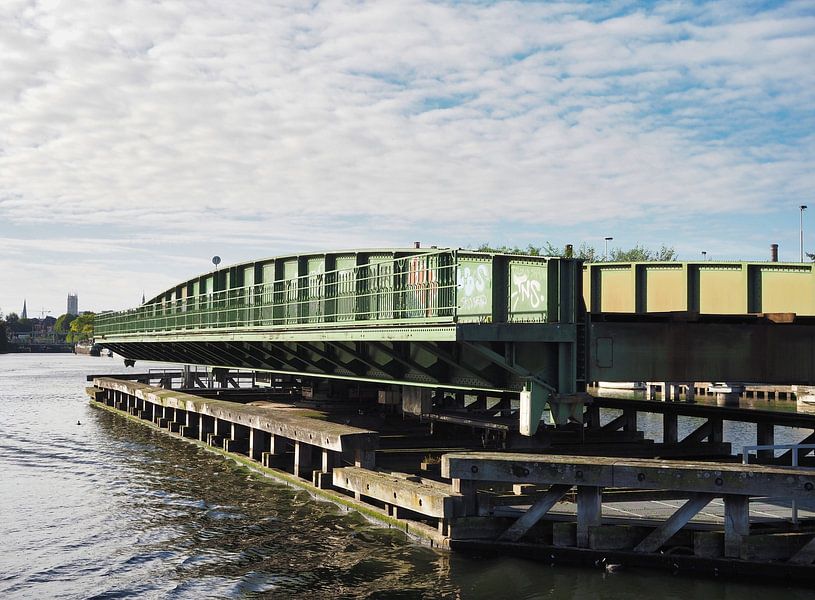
(589, 512)
(258, 442)
(690, 394)
(276, 450)
(302, 459)
(736, 524)
(206, 425)
(238, 440)
(533, 402)
(727, 394)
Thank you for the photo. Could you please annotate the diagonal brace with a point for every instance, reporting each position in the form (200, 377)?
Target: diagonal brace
(535, 513)
(657, 538)
(499, 360)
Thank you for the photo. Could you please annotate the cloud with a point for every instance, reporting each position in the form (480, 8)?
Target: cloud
(287, 125)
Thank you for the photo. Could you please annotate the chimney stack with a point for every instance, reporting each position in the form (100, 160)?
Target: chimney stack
(774, 253)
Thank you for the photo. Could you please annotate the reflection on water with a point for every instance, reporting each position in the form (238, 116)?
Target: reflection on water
(109, 508)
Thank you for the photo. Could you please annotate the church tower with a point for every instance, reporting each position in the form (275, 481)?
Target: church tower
(25, 312)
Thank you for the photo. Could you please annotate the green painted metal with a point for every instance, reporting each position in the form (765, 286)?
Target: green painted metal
(356, 289)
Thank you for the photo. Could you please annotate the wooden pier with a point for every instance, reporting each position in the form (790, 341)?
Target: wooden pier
(693, 516)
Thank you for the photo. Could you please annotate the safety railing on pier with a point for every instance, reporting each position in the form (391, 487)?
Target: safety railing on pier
(794, 449)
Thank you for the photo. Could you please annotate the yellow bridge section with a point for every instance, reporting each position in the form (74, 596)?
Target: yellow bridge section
(717, 288)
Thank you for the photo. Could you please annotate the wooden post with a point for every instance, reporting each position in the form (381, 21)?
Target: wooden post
(592, 417)
(328, 461)
(364, 458)
(630, 415)
(589, 511)
(716, 431)
(765, 436)
(736, 524)
(302, 458)
(670, 430)
(467, 488)
(255, 443)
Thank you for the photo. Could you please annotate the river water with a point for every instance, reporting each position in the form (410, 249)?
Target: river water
(94, 506)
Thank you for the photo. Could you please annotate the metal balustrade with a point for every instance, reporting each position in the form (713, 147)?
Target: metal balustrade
(413, 289)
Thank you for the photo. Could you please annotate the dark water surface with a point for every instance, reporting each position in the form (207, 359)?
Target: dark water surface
(111, 509)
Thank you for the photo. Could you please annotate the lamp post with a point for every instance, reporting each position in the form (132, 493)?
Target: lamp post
(704, 255)
(607, 240)
(803, 207)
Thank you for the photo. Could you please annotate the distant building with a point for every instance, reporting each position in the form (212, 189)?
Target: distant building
(25, 312)
(73, 305)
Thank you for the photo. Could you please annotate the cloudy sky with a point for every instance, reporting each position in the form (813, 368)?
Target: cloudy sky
(140, 137)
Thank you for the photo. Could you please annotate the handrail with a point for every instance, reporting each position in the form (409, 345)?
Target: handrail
(416, 288)
(794, 448)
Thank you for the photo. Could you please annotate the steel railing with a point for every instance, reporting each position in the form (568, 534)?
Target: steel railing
(794, 449)
(419, 288)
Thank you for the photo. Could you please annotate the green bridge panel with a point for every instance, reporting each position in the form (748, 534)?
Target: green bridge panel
(361, 288)
(481, 321)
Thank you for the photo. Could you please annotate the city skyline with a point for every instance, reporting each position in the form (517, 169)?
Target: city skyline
(140, 141)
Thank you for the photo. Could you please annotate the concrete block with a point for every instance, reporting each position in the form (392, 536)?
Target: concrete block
(322, 480)
(773, 546)
(708, 544)
(564, 534)
(616, 537)
(477, 528)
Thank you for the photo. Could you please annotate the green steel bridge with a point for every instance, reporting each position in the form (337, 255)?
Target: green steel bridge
(543, 327)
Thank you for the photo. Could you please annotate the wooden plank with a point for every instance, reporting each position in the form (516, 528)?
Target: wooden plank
(715, 478)
(323, 434)
(644, 474)
(535, 513)
(423, 496)
(540, 469)
(657, 538)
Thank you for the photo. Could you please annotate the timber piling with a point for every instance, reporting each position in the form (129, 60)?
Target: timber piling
(686, 516)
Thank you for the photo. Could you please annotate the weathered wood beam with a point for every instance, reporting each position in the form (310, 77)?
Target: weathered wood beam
(657, 538)
(535, 513)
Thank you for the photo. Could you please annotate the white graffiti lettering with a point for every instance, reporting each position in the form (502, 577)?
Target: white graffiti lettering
(472, 284)
(525, 290)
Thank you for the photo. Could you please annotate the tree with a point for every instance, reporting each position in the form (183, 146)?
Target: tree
(588, 253)
(642, 254)
(64, 322)
(81, 328)
(3, 339)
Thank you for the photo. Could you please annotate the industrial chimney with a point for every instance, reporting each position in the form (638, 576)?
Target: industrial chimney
(774, 253)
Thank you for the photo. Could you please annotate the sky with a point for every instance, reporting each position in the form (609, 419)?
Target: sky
(138, 138)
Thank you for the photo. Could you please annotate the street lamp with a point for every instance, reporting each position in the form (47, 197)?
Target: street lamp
(704, 255)
(803, 207)
(608, 239)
